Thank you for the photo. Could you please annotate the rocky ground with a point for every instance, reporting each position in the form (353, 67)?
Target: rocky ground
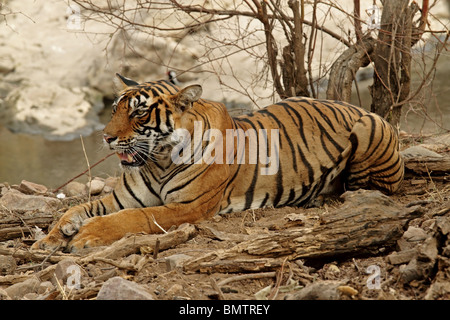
(239, 255)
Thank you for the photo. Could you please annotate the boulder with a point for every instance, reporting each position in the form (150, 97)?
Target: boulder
(75, 189)
(15, 200)
(95, 186)
(28, 187)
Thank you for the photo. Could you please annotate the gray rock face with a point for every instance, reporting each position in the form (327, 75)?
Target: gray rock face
(15, 200)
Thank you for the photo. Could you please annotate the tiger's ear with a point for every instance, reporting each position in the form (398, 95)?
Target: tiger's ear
(125, 82)
(183, 100)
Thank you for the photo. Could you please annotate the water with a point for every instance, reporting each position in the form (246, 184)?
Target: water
(51, 163)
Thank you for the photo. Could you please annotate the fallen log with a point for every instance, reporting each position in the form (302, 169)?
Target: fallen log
(16, 226)
(134, 243)
(367, 221)
(431, 165)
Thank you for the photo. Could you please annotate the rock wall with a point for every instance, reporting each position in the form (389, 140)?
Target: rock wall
(56, 68)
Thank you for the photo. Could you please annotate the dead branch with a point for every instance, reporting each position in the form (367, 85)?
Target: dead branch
(425, 165)
(15, 227)
(367, 221)
(134, 243)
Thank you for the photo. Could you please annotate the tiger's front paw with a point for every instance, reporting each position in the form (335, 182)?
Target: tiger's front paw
(93, 233)
(59, 236)
(53, 241)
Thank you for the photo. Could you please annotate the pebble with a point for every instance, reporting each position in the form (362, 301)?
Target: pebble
(175, 261)
(324, 290)
(402, 256)
(18, 290)
(347, 290)
(7, 265)
(118, 288)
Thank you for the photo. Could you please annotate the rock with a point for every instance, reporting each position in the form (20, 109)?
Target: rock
(175, 261)
(439, 289)
(7, 265)
(347, 290)
(421, 266)
(118, 288)
(443, 223)
(411, 238)
(28, 187)
(68, 273)
(95, 186)
(75, 189)
(4, 295)
(402, 256)
(174, 290)
(19, 290)
(428, 251)
(111, 182)
(14, 200)
(38, 108)
(414, 234)
(419, 151)
(45, 287)
(322, 290)
(410, 271)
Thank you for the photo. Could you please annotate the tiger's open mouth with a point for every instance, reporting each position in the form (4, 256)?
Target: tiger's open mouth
(134, 158)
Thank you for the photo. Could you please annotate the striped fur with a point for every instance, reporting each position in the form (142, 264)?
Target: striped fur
(324, 146)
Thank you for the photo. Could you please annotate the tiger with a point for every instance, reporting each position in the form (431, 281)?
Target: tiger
(319, 147)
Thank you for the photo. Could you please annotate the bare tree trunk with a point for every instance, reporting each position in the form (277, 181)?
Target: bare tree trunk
(299, 87)
(343, 70)
(392, 58)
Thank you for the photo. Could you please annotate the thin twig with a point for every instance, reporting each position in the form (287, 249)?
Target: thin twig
(79, 175)
(42, 263)
(217, 288)
(156, 223)
(261, 275)
(89, 168)
(156, 249)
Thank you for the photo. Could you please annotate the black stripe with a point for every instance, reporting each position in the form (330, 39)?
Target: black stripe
(263, 203)
(121, 207)
(250, 193)
(148, 184)
(280, 188)
(308, 166)
(291, 198)
(88, 212)
(188, 182)
(300, 119)
(131, 192)
(104, 208)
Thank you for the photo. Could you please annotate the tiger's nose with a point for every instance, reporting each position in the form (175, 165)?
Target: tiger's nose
(109, 138)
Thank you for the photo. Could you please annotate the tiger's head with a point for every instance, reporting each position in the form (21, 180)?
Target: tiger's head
(144, 118)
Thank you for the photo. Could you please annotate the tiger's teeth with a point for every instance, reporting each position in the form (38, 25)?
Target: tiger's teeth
(130, 158)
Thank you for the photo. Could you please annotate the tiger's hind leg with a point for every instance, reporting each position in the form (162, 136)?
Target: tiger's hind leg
(375, 162)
